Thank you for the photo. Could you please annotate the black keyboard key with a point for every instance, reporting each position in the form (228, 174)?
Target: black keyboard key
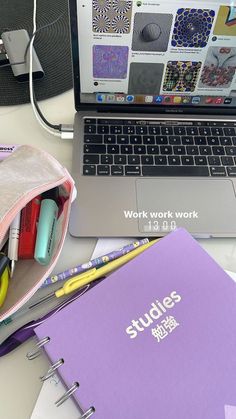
(135, 139)
(174, 160)
(94, 149)
(120, 159)
(204, 131)
(133, 170)
(179, 150)
(153, 149)
(147, 159)
(126, 149)
(218, 171)
(109, 139)
(128, 129)
(89, 170)
(133, 159)
(231, 171)
(167, 130)
(227, 161)
(106, 159)
(216, 131)
(225, 141)
(229, 131)
(103, 170)
(103, 129)
(205, 151)
(160, 160)
(218, 151)
(175, 171)
(166, 149)
(230, 151)
(93, 139)
(214, 161)
(90, 129)
(187, 160)
(161, 140)
(130, 122)
(154, 130)
(117, 170)
(213, 141)
(148, 139)
(91, 159)
(200, 140)
(200, 161)
(141, 130)
(187, 140)
(116, 129)
(179, 130)
(122, 139)
(139, 149)
(90, 121)
(192, 130)
(234, 140)
(174, 140)
(192, 150)
(113, 149)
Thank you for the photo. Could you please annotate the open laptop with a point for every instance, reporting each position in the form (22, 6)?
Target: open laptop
(155, 128)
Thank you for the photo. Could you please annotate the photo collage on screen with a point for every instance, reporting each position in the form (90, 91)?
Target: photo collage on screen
(149, 52)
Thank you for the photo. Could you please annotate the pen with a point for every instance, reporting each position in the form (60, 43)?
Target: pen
(27, 331)
(4, 279)
(86, 278)
(14, 242)
(28, 228)
(45, 239)
(4, 262)
(115, 254)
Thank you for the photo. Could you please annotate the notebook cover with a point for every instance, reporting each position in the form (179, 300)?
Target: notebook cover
(181, 366)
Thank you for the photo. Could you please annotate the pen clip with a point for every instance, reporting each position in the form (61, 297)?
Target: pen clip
(74, 283)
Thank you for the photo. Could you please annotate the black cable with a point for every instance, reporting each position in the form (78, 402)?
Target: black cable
(56, 127)
(53, 126)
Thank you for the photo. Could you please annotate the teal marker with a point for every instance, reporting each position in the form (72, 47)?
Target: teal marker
(45, 239)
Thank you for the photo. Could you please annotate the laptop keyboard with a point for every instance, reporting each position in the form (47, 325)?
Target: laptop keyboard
(115, 147)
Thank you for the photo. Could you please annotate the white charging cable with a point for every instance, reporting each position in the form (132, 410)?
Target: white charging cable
(66, 131)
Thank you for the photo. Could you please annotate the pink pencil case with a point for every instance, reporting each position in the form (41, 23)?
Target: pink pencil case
(27, 173)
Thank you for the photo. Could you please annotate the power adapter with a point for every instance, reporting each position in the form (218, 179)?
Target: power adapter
(15, 45)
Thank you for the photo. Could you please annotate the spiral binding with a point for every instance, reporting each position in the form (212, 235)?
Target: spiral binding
(36, 351)
(67, 394)
(87, 414)
(34, 354)
(52, 370)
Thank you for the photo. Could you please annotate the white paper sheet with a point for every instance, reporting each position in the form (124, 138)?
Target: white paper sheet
(45, 407)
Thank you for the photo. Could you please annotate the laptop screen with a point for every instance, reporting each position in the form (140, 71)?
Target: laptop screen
(157, 52)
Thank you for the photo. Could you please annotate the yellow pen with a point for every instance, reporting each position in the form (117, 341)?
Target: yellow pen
(86, 278)
(4, 279)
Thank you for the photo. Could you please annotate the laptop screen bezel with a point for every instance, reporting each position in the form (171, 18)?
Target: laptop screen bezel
(134, 108)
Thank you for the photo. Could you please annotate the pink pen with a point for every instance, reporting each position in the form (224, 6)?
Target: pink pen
(6, 150)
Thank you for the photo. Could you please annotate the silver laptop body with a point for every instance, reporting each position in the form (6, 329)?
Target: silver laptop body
(189, 181)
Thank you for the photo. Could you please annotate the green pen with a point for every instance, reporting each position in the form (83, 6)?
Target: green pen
(45, 239)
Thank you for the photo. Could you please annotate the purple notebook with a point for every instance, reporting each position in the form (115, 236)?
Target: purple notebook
(157, 339)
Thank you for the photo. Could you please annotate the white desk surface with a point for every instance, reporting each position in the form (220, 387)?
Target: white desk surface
(19, 378)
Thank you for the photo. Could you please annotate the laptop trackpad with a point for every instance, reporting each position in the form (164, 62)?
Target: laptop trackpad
(201, 206)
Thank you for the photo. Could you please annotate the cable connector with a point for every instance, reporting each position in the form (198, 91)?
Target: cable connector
(67, 131)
